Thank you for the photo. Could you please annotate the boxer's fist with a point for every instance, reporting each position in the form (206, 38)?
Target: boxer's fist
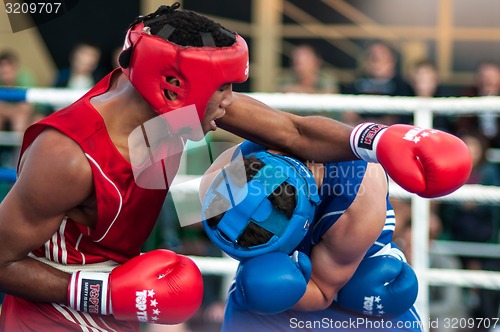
(382, 286)
(157, 287)
(428, 162)
(272, 283)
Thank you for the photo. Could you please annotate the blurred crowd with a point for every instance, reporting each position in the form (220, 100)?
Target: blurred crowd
(379, 73)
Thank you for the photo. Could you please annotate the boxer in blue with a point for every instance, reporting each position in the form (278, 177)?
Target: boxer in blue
(314, 245)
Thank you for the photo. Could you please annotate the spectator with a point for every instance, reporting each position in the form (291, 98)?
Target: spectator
(14, 116)
(380, 76)
(487, 79)
(471, 221)
(379, 73)
(308, 75)
(487, 83)
(424, 81)
(83, 71)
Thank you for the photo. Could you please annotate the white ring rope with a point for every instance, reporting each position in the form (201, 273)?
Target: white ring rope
(316, 103)
(463, 278)
(189, 184)
(467, 193)
(379, 104)
(53, 96)
(216, 265)
(465, 249)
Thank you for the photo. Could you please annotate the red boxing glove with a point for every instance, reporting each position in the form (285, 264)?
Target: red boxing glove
(159, 286)
(428, 162)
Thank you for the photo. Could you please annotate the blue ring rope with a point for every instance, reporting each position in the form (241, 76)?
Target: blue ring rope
(13, 94)
(7, 175)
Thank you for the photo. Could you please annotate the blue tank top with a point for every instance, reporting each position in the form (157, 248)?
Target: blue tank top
(341, 184)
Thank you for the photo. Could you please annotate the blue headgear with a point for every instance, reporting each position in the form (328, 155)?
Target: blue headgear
(248, 202)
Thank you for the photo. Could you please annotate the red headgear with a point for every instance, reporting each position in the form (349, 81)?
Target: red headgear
(200, 70)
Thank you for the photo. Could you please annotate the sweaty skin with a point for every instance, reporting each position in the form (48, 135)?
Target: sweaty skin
(336, 257)
(314, 138)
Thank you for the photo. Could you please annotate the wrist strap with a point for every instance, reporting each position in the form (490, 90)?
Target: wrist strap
(364, 139)
(391, 249)
(88, 292)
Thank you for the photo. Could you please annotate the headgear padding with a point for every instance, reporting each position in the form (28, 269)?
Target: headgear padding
(148, 61)
(249, 202)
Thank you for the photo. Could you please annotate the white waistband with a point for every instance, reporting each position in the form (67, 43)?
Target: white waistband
(106, 266)
(388, 249)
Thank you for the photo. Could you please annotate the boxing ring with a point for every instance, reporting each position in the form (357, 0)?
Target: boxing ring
(422, 109)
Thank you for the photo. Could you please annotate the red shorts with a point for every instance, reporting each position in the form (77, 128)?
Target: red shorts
(20, 315)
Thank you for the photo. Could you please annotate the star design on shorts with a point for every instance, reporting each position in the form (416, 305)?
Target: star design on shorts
(433, 131)
(151, 293)
(425, 134)
(380, 307)
(154, 318)
(416, 139)
(153, 303)
(156, 312)
(377, 299)
(381, 312)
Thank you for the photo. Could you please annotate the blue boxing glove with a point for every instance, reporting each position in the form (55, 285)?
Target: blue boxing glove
(272, 283)
(382, 286)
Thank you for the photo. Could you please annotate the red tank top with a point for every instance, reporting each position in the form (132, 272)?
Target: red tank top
(126, 212)
(126, 216)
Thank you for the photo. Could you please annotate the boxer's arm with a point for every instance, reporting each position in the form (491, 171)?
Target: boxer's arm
(419, 160)
(55, 177)
(336, 257)
(311, 138)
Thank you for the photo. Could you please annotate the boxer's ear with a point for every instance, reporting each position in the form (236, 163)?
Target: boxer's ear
(169, 93)
(124, 57)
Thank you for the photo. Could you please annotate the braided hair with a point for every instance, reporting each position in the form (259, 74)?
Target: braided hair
(186, 28)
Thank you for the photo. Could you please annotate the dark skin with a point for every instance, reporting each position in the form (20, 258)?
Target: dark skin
(55, 178)
(312, 138)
